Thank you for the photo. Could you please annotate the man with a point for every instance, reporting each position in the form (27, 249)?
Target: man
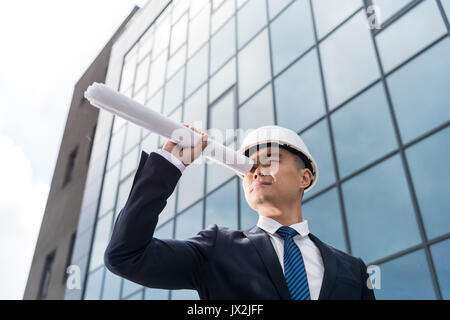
(278, 259)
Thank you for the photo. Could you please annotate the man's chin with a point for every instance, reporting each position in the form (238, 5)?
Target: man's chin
(262, 199)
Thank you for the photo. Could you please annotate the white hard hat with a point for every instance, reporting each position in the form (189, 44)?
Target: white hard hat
(285, 138)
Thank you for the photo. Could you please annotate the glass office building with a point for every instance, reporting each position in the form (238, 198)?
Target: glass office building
(372, 103)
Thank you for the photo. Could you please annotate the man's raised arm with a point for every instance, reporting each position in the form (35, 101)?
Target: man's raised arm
(133, 253)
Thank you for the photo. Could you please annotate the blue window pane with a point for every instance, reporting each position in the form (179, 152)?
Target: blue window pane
(254, 66)
(197, 70)
(299, 94)
(185, 294)
(223, 46)
(411, 33)
(349, 62)
(379, 211)
(178, 35)
(111, 287)
(240, 3)
(324, 219)
(196, 6)
(292, 34)
(109, 191)
(176, 62)
(118, 121)
(101, 239)
(191, 184)
(275, 6)
(140, 96)
(419, 92)
(128, 71)
(329, 13)
(129, 287)
(221, 15)
(149, 144)
(217, 3)
(221, 206)
(165, 231)
(142, 74)
(136, 296)
(222, 118)
(173, 94)
(441, 256)
(252, 17)
(146, 43)
(217, 174)
(156, 294)
(155, 102)
(318, 141)
(157, 73)
(249, 217)
(199, 30)
(130, 162)
(428, 162)
(369, 116)
(189, 223)
(222, 80)
(94, 285)
(195, 109)
(116, 147)
(258, 111)
(133, 136)
(388, 8)
(169, 210)
(123, 193)
(406, 278)
(446, 5)
(162, 34)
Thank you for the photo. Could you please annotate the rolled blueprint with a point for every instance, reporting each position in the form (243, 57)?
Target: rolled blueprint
(103, 97)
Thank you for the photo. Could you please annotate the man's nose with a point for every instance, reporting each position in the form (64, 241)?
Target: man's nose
(258, 169)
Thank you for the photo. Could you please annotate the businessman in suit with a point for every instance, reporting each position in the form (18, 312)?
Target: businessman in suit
(277, 259)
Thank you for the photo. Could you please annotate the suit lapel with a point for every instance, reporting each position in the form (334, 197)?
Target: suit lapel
(329, 263)
(264, 246)
(261, 241)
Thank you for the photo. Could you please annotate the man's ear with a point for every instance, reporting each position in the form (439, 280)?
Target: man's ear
(306, 177)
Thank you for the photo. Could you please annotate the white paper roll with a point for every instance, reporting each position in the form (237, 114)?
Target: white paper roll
(103, 97)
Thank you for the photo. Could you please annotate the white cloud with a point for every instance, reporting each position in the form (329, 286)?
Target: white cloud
(21, 210)
(47, 45)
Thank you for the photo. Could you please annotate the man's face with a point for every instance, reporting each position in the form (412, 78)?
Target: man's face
(283, 181)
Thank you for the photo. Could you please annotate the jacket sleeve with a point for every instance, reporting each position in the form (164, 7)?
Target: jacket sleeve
(367, 293)
(133, 253)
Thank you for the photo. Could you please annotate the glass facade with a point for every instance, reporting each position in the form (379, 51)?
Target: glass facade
(372, 105)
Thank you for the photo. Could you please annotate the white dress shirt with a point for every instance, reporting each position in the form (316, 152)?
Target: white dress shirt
(312, 257)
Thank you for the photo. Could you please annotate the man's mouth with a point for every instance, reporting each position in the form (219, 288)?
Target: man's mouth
(260, 185)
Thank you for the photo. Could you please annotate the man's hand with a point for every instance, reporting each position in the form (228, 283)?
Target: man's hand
(189, 154)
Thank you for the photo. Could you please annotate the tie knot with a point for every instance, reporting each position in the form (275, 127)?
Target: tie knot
(286, 232)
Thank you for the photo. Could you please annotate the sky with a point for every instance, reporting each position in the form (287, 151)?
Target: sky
(46, 46)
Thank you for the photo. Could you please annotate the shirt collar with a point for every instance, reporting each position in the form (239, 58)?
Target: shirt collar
(271, 226)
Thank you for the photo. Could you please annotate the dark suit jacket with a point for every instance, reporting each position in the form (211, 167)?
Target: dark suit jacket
(218, 262)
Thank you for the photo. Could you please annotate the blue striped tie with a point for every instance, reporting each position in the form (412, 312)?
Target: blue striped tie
(294, 268)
